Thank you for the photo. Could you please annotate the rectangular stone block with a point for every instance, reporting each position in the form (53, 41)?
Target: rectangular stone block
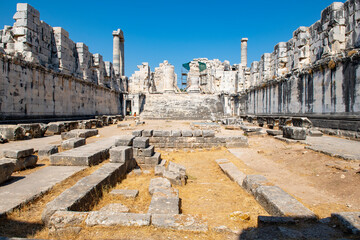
(86, 192)
(97, 218)
(236, 141)
(252, 182)
(55, 128)
(187, 133)
(18, 153)
(6, 169)
(137, 133)
(147, 133)
(22, 163)
(127, 193)
(175, 133)
(87, 155)
(141, 142)
(208, 133)
(231, 171)
(46, 151)
(349, 222)
(278, 203)
(126, 140)
(153, 160)
(144, 152)
(197, 133)
(164, 205)
(79, 133)
(296, 133)
(121, 154)
(12, 132)
(73, 143)
(179, 222)
(274, 132)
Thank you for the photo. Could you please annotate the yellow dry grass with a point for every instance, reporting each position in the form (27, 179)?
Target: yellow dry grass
(26, 221)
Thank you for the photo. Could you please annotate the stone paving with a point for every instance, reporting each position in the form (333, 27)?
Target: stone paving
(22, 190)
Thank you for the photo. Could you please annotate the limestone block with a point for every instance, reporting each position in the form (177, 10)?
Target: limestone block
(174, 177)
(197, 133)
(166, 193)
(23, 163)
(301, 122)
(46, 151)
(278, 203)
(115, 207)
(159, 182)
(337, 33)
(315, 133)
(97, 218)
(34, 130)
(159, 170)
(175, 133)
(6, 169)
(144, 152)
(296, 133)
(18, 153)
(73, 143)
(12, 132)
(208, 133)
(127, 193)
(177, 168)
(66, 221)
(164, 205)
(141, 142)
(153, 160)
(252, 182)
(147, 133)
(179, 222)
(55, 128)
(273, 132)
(79, 133)
(349, 222)
(187, 133)
(137, 133)
(125, 140)
(24, 7)
(121, 154)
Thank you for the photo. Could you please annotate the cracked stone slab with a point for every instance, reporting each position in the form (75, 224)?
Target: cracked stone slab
(97, 218)
(179, 222)
(158, 183)
(115, 207)
(279, 203)
(164, 205)
(231, 171)
(128, 193)
(16, 194)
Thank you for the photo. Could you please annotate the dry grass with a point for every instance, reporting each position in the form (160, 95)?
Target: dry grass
(26, 221)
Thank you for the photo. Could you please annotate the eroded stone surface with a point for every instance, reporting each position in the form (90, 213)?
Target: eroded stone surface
(97, 218)
(179, 222)
(128, 193)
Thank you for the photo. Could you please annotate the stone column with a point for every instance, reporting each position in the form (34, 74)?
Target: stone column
(169, 78)
(118, 52)
(244, 52)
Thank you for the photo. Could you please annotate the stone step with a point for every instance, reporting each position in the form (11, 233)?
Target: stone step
(179, 222)
(98, 218)
(19, 192)
(86, 192)
(79, 133)
(349, 222)
(87, 155)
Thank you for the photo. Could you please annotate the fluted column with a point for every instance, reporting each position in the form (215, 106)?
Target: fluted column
(118, 52)
(244, 52)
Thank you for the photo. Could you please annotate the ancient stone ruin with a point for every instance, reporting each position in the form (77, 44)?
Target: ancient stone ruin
(218, 151)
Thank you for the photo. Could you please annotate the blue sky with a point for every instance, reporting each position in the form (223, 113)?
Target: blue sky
(177, 31)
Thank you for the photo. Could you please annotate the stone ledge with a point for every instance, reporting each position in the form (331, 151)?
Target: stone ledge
(98, 218)
(179, 222)
(86, 192)
(349, 222)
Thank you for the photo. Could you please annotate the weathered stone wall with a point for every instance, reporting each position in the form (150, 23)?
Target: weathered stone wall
(43, 73)
(316, 73)
(182, 106)
(29, 90)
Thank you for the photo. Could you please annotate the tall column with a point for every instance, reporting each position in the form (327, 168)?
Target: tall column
(244, 52)
(118, 52)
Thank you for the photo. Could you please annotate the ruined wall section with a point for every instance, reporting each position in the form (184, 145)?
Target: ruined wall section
(30, 91)
(35, 41)
(182, 106)
(43, 73)
(316, 72)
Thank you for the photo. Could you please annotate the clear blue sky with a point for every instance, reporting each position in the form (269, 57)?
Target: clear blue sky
(177, 31)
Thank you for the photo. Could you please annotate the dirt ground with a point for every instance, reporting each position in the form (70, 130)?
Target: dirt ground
(322, 183)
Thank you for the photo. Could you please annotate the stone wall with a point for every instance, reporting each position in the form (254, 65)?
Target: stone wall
(316, 73)
(29, 90)
(182, 106)
(45, 74)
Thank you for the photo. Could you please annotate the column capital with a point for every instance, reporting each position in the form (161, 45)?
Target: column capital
(119, 33)
(244, 40)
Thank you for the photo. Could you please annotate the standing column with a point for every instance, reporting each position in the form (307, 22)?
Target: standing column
(244, 52)
(118, 52)
(122, 56)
